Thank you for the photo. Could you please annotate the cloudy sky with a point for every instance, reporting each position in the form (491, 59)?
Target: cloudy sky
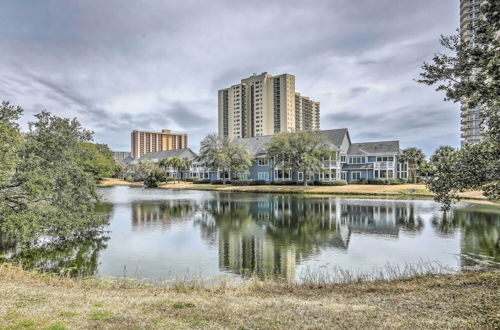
(119, 65)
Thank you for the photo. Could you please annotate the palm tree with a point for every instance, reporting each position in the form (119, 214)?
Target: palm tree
(175, 163)
(413, 157)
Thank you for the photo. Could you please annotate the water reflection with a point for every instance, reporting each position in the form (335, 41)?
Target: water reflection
(159, 233)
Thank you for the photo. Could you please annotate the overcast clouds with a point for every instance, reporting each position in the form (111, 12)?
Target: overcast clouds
(120, 65)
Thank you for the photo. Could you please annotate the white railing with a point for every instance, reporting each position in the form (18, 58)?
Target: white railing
(383, 165)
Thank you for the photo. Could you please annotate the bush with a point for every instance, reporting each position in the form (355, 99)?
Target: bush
(331, 183)
(387, 181)
(283, 183)
(129, 179)
(192, 179)
(169, 179)
(377, 181)
(220, 182)
(248, 182)
(154, 178)
(202, 181)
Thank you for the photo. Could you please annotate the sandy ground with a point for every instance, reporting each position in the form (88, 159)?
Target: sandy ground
(405, 190)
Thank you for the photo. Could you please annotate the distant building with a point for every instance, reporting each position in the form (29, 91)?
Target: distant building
(265, 105)
(470, 123)
(121, 155)
(144, 142)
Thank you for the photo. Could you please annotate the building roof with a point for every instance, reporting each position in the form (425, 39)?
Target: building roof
(179, 153)
(335, 136)
(257, 145)
(374, 148)
(128, 160)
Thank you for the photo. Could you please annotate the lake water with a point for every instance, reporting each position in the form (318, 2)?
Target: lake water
(158, 234)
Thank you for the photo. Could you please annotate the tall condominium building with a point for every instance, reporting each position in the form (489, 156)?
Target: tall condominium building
(306, 113)
(144, 142)
(261, 105)
(470, 122)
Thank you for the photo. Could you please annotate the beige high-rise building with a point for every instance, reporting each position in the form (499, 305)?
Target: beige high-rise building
(470, 123)
(144, 142)
(260, 105)
(306, 113)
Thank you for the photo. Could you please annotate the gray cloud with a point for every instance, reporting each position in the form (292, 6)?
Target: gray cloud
(120, 65)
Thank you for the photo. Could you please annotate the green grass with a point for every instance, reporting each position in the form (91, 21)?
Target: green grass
(102, 315)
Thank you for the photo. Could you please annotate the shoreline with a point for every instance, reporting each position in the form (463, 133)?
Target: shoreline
(31, 300)
(404, 191)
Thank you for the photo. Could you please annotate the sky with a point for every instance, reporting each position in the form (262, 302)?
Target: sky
(120, 65)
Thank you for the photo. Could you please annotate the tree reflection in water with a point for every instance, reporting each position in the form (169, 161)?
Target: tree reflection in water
(78, 257)
(480, 230)
(269, 235)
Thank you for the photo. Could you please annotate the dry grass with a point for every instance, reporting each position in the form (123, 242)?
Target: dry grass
(453, 301)
(109, 182)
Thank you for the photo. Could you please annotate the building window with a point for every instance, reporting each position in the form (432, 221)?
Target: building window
(342, 159)
(356, 160)
(300, 176)
(343, 175)
(263, 176)
(263, 161)
(356, 176)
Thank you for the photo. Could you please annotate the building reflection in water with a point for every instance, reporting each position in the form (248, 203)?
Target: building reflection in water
(268, 236)
(160, 214)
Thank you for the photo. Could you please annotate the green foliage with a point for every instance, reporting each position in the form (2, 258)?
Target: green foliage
(283, 183)
(138, 172)
(154, 178)
(45, 189)
(98, 160)
(469, 72)
(331, 183)
(414, 157)
(248, 182)
(302, 151)
(388, 181)
(225, 155)
(202, 181)
(176, 164)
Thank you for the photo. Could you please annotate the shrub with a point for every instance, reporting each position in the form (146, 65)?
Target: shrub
(283, 183)
(192, 179)
(248, 182)
(377, 181)
(154, 178)
(201, 181)
(169, 179)
(129, 179)
(331, 183)
(220, 182)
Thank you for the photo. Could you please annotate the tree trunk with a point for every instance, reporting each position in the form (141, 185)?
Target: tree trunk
(305, 178)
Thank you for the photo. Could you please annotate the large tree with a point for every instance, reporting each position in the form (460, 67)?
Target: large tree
(469, 73)
(224, 155)
(414, 157)
(45, 189)
(301, 151)
(98, 160)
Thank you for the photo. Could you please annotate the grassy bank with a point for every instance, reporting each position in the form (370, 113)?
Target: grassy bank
(404, 190)
(453, 301)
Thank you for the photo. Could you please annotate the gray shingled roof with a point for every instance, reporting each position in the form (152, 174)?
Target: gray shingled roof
(373, 148)
(257, 145)
(179, 153)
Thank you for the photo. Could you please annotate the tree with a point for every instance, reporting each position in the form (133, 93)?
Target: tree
(98, 160)
(414, 157)
(175, 163)
(470, 73)
(45, 190)
(223, 154)
(302, 151)
(154, 178)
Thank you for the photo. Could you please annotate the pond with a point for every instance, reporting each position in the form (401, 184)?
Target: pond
(156, 234)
